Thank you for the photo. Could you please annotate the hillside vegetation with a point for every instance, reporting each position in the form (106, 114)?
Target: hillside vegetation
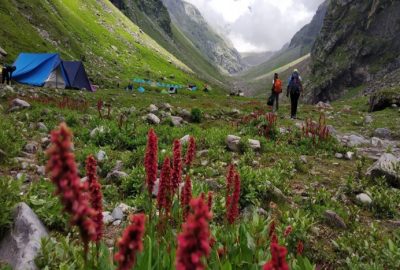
(114, 49)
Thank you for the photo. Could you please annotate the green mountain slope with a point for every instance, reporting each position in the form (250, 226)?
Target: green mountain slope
(114, 49)
(146, 15)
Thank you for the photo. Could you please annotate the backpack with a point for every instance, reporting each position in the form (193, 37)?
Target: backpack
(277, 86)
(295, 83)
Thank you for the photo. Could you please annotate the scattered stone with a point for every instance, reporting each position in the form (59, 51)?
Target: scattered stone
(394, 223)
(31, 148)
(303, 159)
(202, 153)
(166, 107)
(176, 121)
(156, 188)
(376, 142)
(42, 127)
(204, 162)
(19, 104)
(334, 219)
(3, 53)
(355, 140)
(101, 156)
(338, 155)
(117, 222)
(254, 144)
(283, 130)
(323, 105)
(125, 208)
(153, 119)
(349, 155)
(116, 176)
(382, 133)
(41, 170)
(388, 167)
(185, 114)
(233, 143)
(117, 213)
(97, 130)
(21, 176)
(364, 198)
(45, 142)
(22, 243)
(331, 130)
(107, 218)
(153, 108)
(368, 119)
(185, 139)
(235, 112)
(119, 165)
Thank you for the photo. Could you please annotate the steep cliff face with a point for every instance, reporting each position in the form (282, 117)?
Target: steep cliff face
(308, 34)
(190, 21)
(359, 42)
(154, 9)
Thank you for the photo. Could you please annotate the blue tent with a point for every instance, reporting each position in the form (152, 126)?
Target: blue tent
(76, 76)
(141, 89)
(39, 69)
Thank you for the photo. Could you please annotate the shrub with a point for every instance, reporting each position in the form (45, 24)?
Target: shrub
(196, 115)
(9, 197)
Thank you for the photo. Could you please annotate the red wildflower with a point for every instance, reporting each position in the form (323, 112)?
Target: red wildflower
(96, 197)
(278, 261)
(229, 185)
(64, 174)
(130, 243)
(233, 210)
(194, 240)
(151, 160)
(288, 231)
(272, 227)
(100, 104)
(186, 196)
(300, 248)
(274, 238)
(177, 165)
(210, 200)
(191, 151)
(164, 199)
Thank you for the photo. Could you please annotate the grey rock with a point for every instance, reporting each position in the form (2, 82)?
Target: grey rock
(42, 127)
(303, 159)
(153, 108)
(176, 121)
(45, 142)
(125, 208)
(233, 143)
(202, 153)
(3, 52)
(382, 133)
(388, 166)
(119, 165)
(338, 155)
(349, 155)
(166, 107)
(101, 156)
(117, 222)
(31, 147)
(117, 213)
(22, 243)
(116, 176)
(323, 105)
(185, 139)
(18, 104)
(368, 119)
(153, 119)
(156, 188)
(41, 170)
(185, 114)
(364, 198)
(96, 131)
(283, 130)
(356, 140)
(334, 219)
(254, 144)
(107, 218)
(376, 142)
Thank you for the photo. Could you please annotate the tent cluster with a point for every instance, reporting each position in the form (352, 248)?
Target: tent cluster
(49, 70)
(158, 84)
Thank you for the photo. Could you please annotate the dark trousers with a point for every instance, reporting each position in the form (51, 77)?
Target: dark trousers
(275, 105)
(5, 76)
(294, 100)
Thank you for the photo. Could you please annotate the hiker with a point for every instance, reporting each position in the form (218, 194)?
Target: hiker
(173, 90)
(206, 88)
(294, 89)
(7, 72)
(276, 91)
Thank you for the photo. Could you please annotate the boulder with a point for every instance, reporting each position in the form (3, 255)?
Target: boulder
(387, 166)
(22, 243)
(176, 121)
(107, 218)
(364, 198)
(153, 119)
(382, 133)
(166, 107)
(355, 140)
(254, 144)
(153, 108)
(338, 155)
(117, 213)
(233, 143)
(19, 104)
(368, 119)
(101, 156)
(116, 176)
(376, 142)
(31, 147)
(384, 99)
(334, 219)
(42, 127)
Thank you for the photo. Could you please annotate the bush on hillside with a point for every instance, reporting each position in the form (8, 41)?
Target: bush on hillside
(196, 115)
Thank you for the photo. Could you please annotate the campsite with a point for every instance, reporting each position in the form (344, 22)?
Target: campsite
(139, 135)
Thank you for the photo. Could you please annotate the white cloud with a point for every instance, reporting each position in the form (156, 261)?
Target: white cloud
(258, 25)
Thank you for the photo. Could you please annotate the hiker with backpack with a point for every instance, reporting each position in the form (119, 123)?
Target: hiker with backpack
(294, 90)
(276, 91)
(7, 72)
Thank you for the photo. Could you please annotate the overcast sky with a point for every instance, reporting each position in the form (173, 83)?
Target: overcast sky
(258, 25)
